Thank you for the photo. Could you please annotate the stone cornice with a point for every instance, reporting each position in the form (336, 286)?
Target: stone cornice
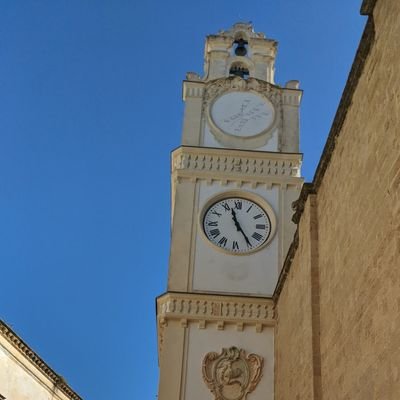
(357, 68)
(219, 310)
(215, 308)
(37, 362)
(223, 165)
(367, 7)
(351, 85)
(298, 205)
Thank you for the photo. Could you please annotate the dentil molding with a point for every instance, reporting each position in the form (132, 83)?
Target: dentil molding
(204, 307)
(236, 165)
(213, 311)
(57, 380)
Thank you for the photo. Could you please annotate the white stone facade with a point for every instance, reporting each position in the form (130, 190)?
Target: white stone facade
(24, 375)
(240, 140)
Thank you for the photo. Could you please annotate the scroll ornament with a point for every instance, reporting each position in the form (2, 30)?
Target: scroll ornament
(231, 375)
(218, 86)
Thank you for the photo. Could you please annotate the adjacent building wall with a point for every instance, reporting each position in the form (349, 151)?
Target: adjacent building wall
(24, 375)
(293, 332)
(338, 311)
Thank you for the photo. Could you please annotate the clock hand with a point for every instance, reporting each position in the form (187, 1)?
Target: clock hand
(246, 238)
(239, 228)
(235, 220)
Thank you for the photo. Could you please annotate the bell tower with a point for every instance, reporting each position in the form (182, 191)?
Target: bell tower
(233, 182)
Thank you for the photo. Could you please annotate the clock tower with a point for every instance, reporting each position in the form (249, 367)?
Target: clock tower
(234, 180)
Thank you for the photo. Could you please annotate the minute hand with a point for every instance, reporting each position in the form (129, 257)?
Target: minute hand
(239, 228)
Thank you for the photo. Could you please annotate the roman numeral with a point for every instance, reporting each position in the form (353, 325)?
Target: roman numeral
(260, 226)
(216, 213)
(249, 208)
(214, 223)
(226, 206)
(238, 204)
(214, 232)
(223, 241)
(257, 216)
(256, 236)
(235, 245)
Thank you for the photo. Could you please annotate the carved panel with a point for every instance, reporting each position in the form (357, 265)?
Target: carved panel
(245, 166)
(196, 307)
(232, 374)
(219, 310)
(192, 89)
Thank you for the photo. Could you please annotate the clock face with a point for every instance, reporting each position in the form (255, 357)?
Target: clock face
(242, 114)
(237, 225)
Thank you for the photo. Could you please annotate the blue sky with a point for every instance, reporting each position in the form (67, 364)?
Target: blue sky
(90, 108)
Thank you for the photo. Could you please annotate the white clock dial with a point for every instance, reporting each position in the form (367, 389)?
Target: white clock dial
(237, 225)
(242, 114)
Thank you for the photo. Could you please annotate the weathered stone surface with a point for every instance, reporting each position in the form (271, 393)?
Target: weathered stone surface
(348, 329)
(293, 331)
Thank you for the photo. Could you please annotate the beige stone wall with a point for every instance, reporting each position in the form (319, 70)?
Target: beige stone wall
(357, 255)
(293, 332)
(359, 246)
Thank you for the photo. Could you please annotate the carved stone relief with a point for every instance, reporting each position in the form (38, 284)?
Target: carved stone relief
(232, 375)
(218, 86)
